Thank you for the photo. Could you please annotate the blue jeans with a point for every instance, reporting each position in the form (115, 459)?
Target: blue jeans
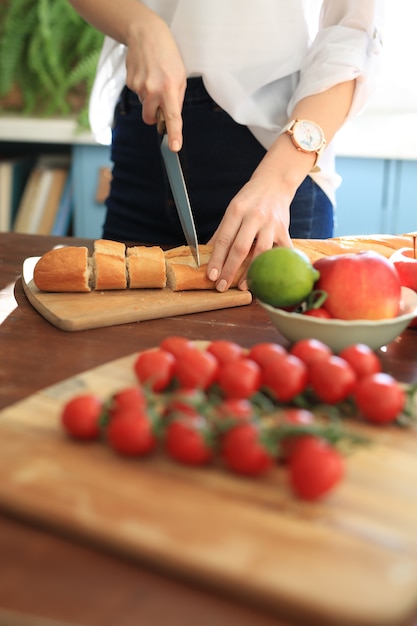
(218, 158)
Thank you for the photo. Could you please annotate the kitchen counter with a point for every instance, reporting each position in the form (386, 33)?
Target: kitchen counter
(47, 574)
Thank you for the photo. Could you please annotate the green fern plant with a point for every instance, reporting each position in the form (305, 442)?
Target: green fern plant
(50, 54)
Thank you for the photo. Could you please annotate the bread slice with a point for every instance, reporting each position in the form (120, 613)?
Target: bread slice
(183, 273)
(109, 265)
(146, 267)
(64, 269)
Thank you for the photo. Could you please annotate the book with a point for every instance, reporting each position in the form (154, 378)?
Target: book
(14, 173)
(65, 210)
(51, 205)
(41, 196)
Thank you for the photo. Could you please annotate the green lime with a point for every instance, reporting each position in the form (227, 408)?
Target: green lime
(282, 277)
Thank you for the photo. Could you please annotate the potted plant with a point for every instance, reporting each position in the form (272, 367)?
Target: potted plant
(48, 59)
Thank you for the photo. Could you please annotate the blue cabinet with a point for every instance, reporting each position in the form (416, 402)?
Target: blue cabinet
(376, 196)
(89, 213)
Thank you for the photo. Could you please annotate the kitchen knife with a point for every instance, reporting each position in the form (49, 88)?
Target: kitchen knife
(179, 190)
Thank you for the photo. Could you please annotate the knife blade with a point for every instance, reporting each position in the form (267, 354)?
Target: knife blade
(179, 190)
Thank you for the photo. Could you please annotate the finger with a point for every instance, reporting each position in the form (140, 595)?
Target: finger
(222, 240)
(236, 255)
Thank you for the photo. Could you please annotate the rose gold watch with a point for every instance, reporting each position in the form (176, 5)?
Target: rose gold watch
(307, 136)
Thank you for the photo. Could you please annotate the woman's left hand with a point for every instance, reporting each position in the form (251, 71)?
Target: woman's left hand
(258, 217)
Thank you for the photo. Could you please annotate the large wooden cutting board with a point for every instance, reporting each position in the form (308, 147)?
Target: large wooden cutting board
(349, 560)
(82, 311)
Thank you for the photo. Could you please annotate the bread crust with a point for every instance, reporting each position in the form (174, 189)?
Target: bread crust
(183, 273)
(109, 265)
(384, 244)
(146, 267)
(63, 269)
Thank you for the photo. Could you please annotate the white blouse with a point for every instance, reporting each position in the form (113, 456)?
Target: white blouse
(258, 58)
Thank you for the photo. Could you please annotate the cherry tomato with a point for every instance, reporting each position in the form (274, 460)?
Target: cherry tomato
(309, 350)
(314, 468)
(321, 313)
(155, 368)
(332, 379)
(240, 378)
(80, 416)
(175, 344)
(262, 352)
(380, 398)
(235, 408)
(243, 450)
(362, 359)
(196, 369)
(225, 351)
(131, 397)
(286, 376)
(295, 417)
(185, 402)
(131, 434)
(188, 440)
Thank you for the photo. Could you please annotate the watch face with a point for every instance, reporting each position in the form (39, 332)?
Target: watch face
(308, 135)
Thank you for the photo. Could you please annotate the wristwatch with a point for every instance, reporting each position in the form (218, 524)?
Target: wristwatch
(307, 136)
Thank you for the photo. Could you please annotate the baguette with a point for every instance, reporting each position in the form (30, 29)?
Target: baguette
(183, 273)
(64, 269)
(383, 244)
(109, 265)
(146, 267)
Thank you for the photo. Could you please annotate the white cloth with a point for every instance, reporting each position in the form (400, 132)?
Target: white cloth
(258, 58)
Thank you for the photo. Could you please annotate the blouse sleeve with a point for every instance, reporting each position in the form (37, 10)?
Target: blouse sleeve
(347, 46)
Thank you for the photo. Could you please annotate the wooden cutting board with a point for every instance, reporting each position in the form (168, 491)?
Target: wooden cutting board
(82, 311)
(349, 560)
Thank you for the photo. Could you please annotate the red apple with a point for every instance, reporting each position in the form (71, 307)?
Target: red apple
(362, 285)
(405, 263)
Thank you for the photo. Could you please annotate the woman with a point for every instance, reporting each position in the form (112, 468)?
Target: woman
(232, 78)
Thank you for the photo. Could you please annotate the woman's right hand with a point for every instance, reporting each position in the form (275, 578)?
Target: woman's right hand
(156, 72)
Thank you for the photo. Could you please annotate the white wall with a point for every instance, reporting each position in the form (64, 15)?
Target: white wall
(397, 91)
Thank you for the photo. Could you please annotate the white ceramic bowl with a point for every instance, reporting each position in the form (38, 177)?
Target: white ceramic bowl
(338, 334)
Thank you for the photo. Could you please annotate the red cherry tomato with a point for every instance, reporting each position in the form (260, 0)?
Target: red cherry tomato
(314, 468)
(188, 440)
(240, 378)
(332, 379)
(380, 398)
(262, 352)
(235, 408)
(80, 416)
(175, 344)
(286, 376)
(309, 350)
(295, 417)
(131, 434)
(196, 369)
(243, 451)
(362, 359)
(321, 313)
(185, 402)
(225, 351)
(155, 368)
(129, 398)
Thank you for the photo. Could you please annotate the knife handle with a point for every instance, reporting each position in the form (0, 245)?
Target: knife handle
(160, 122)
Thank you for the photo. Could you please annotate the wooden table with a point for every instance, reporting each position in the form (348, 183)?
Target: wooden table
(44, 574)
